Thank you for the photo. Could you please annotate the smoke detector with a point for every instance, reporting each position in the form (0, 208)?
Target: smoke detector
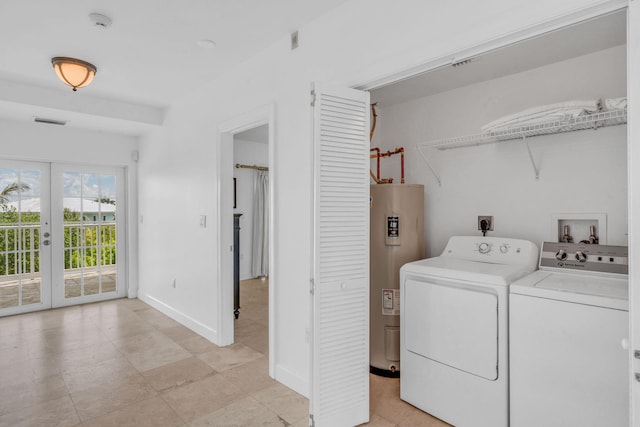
(99, 20)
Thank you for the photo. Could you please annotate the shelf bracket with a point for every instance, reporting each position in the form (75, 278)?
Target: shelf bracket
(429, 166)
(533, 162)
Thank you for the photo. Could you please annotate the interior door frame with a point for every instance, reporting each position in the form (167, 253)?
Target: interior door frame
(226, 131)
(57, 225)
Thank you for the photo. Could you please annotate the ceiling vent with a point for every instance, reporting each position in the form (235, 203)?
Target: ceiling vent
(49, 121)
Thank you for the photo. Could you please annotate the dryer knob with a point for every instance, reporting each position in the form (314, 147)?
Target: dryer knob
(484, 248)
(561, 255)
(581, 256)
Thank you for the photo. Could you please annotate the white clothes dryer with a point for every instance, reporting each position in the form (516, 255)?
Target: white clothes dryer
(454, 331)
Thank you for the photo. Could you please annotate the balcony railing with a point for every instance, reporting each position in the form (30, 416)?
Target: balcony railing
(86, 244)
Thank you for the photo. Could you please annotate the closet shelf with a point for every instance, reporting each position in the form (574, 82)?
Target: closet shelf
(590, 121)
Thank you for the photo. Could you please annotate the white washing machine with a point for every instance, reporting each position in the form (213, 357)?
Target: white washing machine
(568, 330)
(454, 332)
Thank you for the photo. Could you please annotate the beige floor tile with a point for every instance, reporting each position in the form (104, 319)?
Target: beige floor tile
(85, 376)
(28, 370)
(120, 329)
(376, 420)
(156, 318)
(224, 358)
(201, 398)
(152, 412)
(25, 394)
(417, 418)
(89, 356)
(179, 333)
(198, 345)
(285, 402)
(151, 350)
(245, 412)
(252, 376)
(178, 373)
(111, 396)
(53, 413)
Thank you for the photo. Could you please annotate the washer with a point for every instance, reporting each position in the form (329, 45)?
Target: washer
(454, 332)
(568, 331)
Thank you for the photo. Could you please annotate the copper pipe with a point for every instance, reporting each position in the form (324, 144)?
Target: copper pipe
(399, 150)
(375, 120)
(376, 156)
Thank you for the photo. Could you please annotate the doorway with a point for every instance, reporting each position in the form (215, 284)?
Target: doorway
(251, 211)
(259, 121)
(61, 235)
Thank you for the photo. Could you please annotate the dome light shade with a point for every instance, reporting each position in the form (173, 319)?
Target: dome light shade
(74, 72)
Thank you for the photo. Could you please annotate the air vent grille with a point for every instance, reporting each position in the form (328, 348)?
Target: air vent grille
(49, 121)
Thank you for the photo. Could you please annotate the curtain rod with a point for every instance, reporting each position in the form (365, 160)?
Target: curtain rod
(260, 168)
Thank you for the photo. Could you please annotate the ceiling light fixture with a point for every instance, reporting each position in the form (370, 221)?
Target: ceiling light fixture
(74, 72)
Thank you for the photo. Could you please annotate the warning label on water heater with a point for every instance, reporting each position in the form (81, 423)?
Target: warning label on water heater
(391, 302)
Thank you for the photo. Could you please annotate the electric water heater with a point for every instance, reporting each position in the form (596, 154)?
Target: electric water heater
(397, 237)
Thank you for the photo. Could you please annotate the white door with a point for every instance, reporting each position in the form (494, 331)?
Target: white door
(25, 253)
(340, 283)
(87, 213)
(61, 235)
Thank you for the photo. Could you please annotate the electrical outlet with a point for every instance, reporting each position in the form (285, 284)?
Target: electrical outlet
(487, 218)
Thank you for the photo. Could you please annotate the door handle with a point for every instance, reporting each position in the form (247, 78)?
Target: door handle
(46, 242)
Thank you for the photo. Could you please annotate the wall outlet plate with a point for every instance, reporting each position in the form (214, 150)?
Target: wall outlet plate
(487, 218)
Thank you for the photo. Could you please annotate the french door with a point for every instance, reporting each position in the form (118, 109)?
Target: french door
(61, 235)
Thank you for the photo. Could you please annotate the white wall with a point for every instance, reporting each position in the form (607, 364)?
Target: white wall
(49, 143)
(247, 153)
(580, 172)
(359, 42)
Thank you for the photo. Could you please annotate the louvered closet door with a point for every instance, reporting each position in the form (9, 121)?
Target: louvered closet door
(340, 345)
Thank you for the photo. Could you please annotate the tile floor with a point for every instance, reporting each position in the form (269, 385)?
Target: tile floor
(123, 363)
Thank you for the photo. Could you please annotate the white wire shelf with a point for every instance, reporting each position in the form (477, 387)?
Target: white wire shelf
(590, 121)
(569, 124)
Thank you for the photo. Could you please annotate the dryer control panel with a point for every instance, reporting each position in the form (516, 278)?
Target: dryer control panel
(585, 257)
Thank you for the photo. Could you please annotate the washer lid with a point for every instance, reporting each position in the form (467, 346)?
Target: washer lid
(468, 271)
(608, 292)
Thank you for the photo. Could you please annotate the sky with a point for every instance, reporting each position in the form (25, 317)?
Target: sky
(75, 184)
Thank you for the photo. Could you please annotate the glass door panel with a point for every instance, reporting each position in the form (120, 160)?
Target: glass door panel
(24, 237)
(93, 234)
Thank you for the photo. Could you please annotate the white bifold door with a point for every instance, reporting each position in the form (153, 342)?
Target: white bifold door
(61, 235)
(340, 283)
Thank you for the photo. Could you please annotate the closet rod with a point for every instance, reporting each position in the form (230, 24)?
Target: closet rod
(260, 168)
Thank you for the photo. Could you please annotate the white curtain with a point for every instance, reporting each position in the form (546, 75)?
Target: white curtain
(260, 250)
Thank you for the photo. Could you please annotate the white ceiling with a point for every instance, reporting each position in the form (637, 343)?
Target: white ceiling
(580, 39)
(148, 57)
(258, 134)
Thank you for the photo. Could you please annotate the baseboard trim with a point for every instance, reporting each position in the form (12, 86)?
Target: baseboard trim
(292, 380)
(178, 316)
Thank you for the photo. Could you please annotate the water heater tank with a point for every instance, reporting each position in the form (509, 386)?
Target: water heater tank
(397, 237)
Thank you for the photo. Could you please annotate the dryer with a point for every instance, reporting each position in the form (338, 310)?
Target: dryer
(454, 329)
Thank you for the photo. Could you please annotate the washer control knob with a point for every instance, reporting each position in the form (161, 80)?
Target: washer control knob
(561, 255)
(504, 249)
(484, 248)
(581, 256)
